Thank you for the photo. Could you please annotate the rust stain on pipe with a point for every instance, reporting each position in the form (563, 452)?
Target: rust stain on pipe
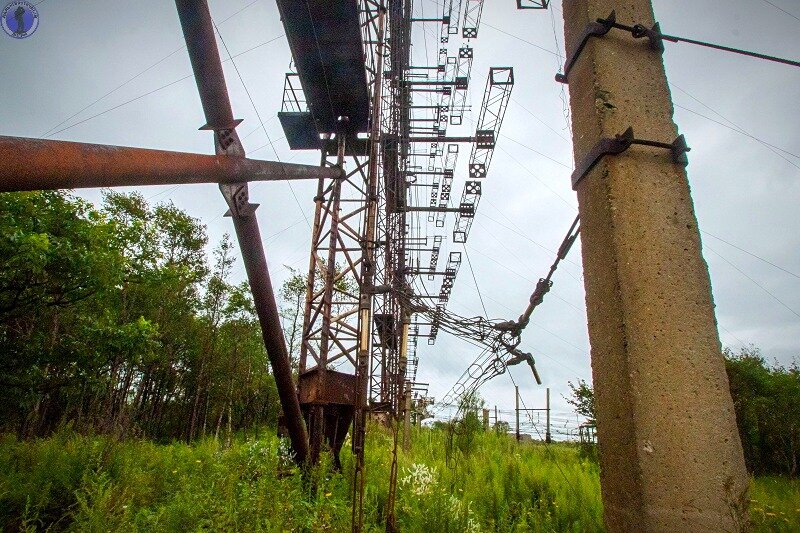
(39, 164)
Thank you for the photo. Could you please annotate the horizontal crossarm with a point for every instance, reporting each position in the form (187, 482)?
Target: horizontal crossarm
(39, 164)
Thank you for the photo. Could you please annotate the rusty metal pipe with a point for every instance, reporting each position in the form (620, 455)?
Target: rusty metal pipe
(198, 32)
(39, 164)
(255, 263)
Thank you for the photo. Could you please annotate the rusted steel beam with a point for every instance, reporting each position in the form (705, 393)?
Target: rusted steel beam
(198, 31)
(255, 263)
(40, 164)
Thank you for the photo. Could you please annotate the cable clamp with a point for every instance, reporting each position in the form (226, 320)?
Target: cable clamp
(619, 144)
(595, 29)
(602, 27)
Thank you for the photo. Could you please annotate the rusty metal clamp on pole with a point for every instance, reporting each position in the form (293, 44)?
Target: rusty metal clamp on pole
(619, 144)
(595, 29)
(638, 31)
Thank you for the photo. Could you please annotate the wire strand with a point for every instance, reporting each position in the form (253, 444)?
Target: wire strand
(757, 284)
(751, 254)
(123, 84)
(469, 263)
(782, 10)
(263, 126)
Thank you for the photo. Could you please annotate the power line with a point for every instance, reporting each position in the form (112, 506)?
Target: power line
(546, 444)
(123, 84)
(542, 48)
(537, 178)
(742, 132)
(639, 31)
(534, 150)
(477, 288)
(545, 124)
(519, 232)
(751, 254)
(526, 279)
(782, 10)
(754, 282)
(729, 332)
(565, 110)
(148, 93)
(109, 93)
(739, 51)
(562, 339)
(524, 264)
(737, 128)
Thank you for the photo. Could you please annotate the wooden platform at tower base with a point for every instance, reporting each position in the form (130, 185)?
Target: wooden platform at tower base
(326, 43)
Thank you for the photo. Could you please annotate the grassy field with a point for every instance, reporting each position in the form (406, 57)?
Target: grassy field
(461, 483)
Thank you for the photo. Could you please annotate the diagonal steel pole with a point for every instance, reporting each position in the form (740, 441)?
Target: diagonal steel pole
(198, 32)
(41, 164)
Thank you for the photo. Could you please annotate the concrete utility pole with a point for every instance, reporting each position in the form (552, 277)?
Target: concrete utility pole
(655, 347)
(547, 436)
(486, 419)
(516, 410)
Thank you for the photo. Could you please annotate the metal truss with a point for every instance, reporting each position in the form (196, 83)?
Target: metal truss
(472, 19)
(435, 250)
(386, 375)
(463, 71)
(533, 4)
(450, 160)
(449, 279)
(466, 214)
(452, 16)
(493, 108)
(451, 271)
(335, 281)
(337, 316)
(343, 232)
(294, 99)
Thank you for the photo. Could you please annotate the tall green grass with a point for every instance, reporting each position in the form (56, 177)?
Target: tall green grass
(75, 483)
(775, 504)
(488, 482)
(495, 484)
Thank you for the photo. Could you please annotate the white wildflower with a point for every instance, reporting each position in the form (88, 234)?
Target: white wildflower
(420, 478)
(459, 511)
(285, 453)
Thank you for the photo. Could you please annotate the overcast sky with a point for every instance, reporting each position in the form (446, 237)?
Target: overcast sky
(730, 108)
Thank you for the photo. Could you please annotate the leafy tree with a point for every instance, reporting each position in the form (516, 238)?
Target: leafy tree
(293, 294)
(463, 430)
(582, 399)
(111, 320)
(767, 402)
(766, 399)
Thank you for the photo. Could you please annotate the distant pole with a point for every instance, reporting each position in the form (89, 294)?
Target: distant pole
(407, 417)
(653, 334)
(486, 419)
(547, 431)
(496, 419)
(516, 392)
